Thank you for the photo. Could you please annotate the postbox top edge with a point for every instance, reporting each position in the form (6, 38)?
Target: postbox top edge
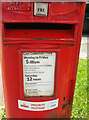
(25, 13)
(44, 1)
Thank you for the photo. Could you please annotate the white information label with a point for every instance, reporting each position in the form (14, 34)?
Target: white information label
(38, 106)
(38, 72)
(40, 9)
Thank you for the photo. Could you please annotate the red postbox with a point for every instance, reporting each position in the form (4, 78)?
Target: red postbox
(40, 50)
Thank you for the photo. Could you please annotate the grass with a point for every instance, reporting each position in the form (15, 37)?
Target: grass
(88, 88)
(2, 110)
(3, 115)
(79, 109)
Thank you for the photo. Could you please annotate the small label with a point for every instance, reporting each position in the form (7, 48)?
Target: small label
(39, 72)
(40, 9)
(38, 106)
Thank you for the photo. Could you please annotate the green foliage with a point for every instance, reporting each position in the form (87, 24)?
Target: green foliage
(3, 115)
(79, 109)
(88, 87)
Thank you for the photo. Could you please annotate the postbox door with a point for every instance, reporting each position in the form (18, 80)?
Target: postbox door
(38, 71)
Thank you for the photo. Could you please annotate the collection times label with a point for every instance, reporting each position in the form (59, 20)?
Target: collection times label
(39, 72)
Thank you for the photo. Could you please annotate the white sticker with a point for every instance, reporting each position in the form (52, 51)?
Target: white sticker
(40, 9)
(38, 72)
(38, 106)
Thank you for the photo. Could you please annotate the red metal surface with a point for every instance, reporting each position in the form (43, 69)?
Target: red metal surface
(65, 42)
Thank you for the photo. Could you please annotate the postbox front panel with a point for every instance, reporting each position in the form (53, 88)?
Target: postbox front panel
(49, 105)
(40, 49)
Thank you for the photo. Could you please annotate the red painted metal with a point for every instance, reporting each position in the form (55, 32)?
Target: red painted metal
(65, 42)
